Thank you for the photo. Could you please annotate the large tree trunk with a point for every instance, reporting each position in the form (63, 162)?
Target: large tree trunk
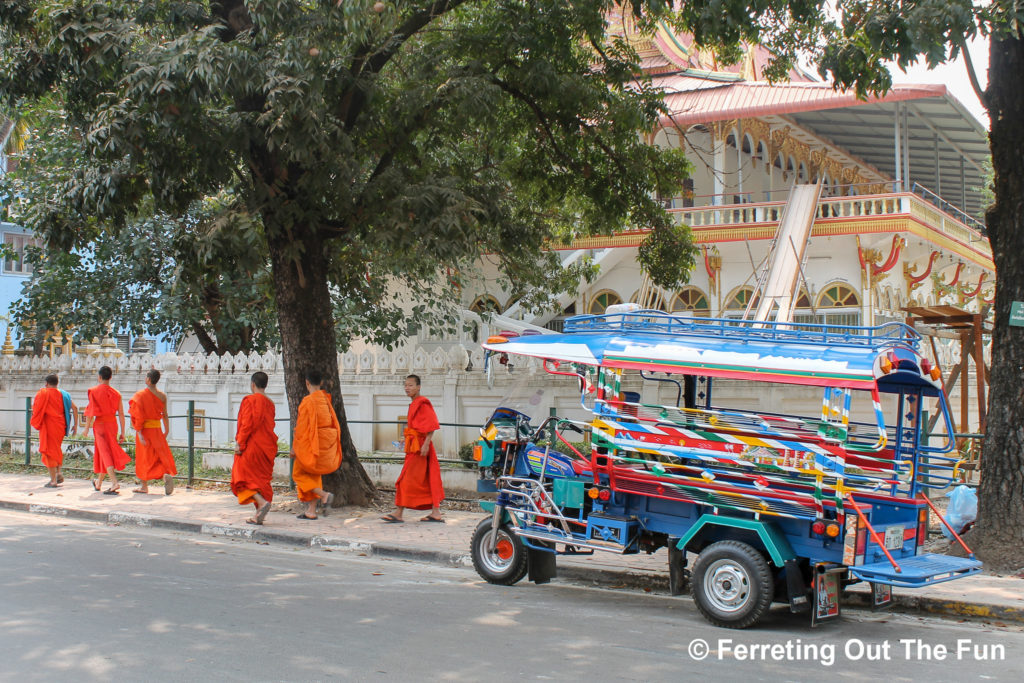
(304, 313)
(998, 537)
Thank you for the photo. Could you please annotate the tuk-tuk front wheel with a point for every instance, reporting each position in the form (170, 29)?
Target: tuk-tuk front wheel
(732, 584)
(506, 563)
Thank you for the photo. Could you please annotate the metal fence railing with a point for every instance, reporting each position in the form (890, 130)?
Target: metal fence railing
(966, 468)
(187, 452)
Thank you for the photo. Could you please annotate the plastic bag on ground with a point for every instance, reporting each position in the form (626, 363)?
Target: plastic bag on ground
(962, 510)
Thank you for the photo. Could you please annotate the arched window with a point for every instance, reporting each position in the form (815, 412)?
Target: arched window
(485, 302)
(762, 155)
(739, 299)
(802, 312)
(602, 300)
(838, 295)
(748, 144)
(803, 300)
(838, 304)
(691, 299)
(652, 302)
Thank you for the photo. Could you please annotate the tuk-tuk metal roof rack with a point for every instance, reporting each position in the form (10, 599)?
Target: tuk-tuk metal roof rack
(661, 323)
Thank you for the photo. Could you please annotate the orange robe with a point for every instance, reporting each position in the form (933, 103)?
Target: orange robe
(153, 459)
(104, 402)
(48, 418)
(419, 485)
(317, 444)
(253, 468)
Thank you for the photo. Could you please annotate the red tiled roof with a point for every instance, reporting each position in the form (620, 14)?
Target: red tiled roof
(695, 100)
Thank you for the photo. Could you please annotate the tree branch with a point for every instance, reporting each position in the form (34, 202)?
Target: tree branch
(542, 120)
(205, 340)
(371, 63)
(972, 75)
(335, 228)
(412, 126)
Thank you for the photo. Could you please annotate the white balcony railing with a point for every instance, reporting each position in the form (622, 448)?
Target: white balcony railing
(903, 204)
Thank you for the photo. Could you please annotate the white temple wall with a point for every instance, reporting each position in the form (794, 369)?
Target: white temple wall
(372, 387)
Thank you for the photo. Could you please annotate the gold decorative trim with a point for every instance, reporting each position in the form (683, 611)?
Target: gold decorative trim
(821, 228)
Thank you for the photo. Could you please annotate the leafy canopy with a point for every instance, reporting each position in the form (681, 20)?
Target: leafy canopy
(156, 275)
(402, 139)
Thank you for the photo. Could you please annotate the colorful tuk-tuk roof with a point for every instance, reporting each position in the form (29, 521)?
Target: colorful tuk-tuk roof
(848, 357)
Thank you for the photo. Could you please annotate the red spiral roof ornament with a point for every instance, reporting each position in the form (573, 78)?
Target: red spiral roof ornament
(894, 255)
(971, 295)
(927, 271)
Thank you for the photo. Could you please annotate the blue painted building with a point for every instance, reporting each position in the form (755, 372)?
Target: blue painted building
(13, 271)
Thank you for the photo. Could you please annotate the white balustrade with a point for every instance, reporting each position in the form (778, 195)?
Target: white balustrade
(904, 204)
(373, 360)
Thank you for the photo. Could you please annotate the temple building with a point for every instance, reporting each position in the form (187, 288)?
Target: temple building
(807, 204)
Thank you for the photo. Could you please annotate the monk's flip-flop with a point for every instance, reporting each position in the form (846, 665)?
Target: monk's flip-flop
(112, 492)
(305, 516)
(51, 485)
(325, 505)
(428, 518)
(391, 519)
(60, 478)
(168, 484)
(253, 521)
(95, 484)
(261, 514)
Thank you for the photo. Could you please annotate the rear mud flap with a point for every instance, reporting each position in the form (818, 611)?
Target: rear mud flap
(881, 596)
(542, 565)
(825, 593)
(678, 574)
(796, 589)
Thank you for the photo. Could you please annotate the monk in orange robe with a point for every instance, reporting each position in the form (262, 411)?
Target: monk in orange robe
(153, 457)
(419, 485)
(256, 450)
(108, 456)
(316, 447)
(52, 413)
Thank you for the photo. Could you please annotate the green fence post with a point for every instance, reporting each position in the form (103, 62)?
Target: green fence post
(191, 441)
(28, 431)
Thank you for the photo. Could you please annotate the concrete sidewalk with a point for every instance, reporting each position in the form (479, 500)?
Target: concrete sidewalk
(360, 530)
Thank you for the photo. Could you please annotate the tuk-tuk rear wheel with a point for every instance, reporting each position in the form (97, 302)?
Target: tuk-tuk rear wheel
(732, 584)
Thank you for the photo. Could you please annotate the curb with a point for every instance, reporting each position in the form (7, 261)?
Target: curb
(916, 604)
(602, 578)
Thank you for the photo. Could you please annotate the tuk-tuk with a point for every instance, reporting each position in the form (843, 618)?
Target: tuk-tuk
(775, 507)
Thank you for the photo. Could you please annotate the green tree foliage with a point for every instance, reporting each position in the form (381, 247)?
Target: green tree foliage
(383, 146)
(199, 273)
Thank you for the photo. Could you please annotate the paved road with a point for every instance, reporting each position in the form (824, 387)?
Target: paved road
(82, 601)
